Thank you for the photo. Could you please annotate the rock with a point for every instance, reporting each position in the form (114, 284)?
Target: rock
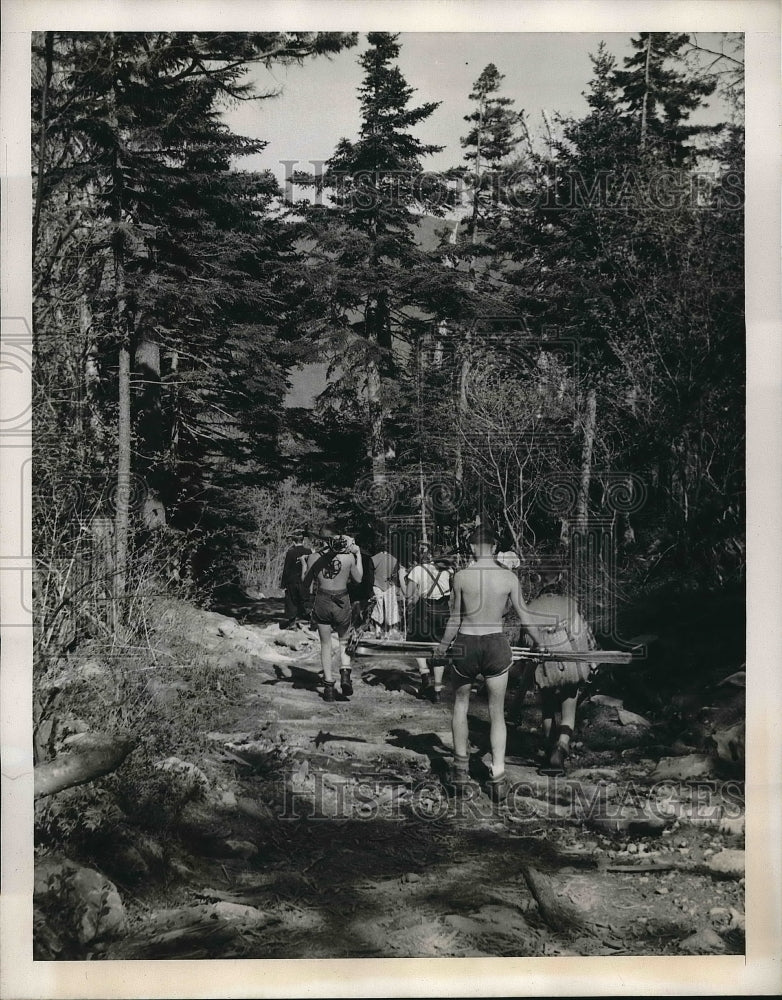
(594, 773)
(90, 908)
(684, 768)
(727, 862)
(507, 918)
(240, 849)
(466, 924)
(730, 743)
(191, 774)
(738, 921)
(192, 931)
(631, 719)
(719, 917)
(638, 824)
(703, 942)
(605, 699)
(411, 877)
(228, 627)
(375, 751)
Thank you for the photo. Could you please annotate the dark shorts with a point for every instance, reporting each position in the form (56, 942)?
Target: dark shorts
(489, 655)
(428, 620)
(333, 607)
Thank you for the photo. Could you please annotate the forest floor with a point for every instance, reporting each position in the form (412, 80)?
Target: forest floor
(325, 830)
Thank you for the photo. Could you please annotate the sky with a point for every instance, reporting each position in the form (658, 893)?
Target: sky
(318, 103)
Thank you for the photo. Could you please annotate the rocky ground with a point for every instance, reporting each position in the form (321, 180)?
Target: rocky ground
(324, 830)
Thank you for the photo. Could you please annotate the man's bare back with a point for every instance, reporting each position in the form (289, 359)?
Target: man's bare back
(335, 574)
(481, 594)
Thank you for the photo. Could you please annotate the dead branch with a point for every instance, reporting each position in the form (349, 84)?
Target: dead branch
(102, 755)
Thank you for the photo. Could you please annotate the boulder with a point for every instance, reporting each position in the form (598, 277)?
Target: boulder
(684, 768)
(631, 719)
(730, 743)
(703, 942)
(88, 906)
(729, 862)
(189, 773)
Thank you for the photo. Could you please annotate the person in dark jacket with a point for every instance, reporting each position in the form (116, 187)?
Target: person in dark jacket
(296, 599)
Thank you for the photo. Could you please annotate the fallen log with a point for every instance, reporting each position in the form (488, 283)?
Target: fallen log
(201, 931)
(101, 755)
(559, 914)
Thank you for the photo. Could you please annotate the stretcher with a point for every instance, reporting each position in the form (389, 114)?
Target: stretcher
(360, 645)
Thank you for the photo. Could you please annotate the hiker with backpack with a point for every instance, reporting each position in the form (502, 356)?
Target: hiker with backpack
(557, 625)
(331, 570)
(428, 594)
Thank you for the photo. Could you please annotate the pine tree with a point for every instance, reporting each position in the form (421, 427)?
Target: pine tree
(364, 236)
(492, 138)
(661, 96)
(190, 278)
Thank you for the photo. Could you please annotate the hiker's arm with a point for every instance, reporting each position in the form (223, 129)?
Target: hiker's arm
(307, 565)
(454, 620)
(357, 570)
(517, 601)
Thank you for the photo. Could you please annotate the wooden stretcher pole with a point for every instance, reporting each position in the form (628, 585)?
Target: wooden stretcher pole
(377, 647)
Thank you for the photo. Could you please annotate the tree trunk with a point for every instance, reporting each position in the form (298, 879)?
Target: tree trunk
(422, 493)
(476, 193)
(645, 103)
(122, 509)
(375, 408)
(461, 409)
(373, 326)
(149, 417)
(49, 49)
(582, 500)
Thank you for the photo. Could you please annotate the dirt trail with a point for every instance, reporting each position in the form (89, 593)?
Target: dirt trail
(327, 832)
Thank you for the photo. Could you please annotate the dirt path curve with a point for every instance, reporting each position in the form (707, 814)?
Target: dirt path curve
(332, 823)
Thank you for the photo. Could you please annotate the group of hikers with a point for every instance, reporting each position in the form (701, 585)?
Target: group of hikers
(459, 604)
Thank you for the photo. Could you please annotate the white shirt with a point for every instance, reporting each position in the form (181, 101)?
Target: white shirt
(432, 583)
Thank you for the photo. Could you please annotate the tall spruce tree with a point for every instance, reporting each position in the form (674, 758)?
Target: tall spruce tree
(190, 290)
(660, 93)
(492, 138)
(365, 234)
(622, 256)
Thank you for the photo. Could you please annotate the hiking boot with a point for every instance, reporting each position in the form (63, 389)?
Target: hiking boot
(328, 691)
(458, 774)
(556, 761)
(434, 695)
(426, 686)
(344, 681)
(497, 788)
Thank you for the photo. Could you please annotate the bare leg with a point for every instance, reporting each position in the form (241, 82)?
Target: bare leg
(459, 726)
(568, 721)
(324, 632)
(496, 687)
(438, 672)
(549, 710)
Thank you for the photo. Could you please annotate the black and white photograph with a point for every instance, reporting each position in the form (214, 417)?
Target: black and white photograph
(382, 498)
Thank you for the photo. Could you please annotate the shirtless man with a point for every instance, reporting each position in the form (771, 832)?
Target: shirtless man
(480, 596)
(330, 569)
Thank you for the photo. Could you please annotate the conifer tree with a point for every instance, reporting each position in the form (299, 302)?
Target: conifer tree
(492, 138)
(186, 275)
(364, 235)
(660, 95)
